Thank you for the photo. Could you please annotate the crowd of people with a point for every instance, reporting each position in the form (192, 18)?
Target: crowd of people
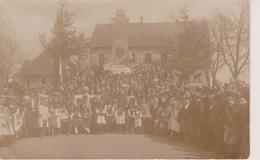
(147, 101)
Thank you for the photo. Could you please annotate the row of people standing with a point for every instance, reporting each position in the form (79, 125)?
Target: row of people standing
(149, 101)
(206, 120)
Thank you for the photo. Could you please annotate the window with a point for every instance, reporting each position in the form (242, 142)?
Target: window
(101, 59)
(148, 58)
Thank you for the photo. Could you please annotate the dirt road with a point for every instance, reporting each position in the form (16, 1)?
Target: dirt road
(100, 146)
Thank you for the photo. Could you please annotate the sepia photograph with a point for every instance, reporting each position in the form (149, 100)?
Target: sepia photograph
(124, 79)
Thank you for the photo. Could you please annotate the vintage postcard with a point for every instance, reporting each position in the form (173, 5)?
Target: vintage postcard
(124, 79)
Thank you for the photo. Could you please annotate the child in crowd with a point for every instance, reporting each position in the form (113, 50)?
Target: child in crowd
(110, 115)
(130, 119)
(138, 120)
(43, 114)
(52, 121)
(120, 119)
(101, 121)
(174, 124)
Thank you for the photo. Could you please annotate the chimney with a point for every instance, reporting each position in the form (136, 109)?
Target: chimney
(141, 19)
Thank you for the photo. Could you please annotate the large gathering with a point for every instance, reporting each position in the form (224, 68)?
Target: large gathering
(128, 79)
(147, 101)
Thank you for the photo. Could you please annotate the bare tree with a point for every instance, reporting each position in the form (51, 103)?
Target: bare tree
(193, 49)
(235, 38)
(7, 49)
(189, 49)
(216, 60)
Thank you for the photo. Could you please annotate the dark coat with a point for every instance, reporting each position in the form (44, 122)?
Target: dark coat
(216, 115)
(196, 110)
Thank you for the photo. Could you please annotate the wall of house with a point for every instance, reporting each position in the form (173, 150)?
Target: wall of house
(138, 53)
(96, 52)
(37, 81)
(198, 78)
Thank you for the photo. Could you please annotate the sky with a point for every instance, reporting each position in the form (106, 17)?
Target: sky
(29, 18)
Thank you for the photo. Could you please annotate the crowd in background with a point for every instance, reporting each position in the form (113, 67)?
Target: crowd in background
(146, 101)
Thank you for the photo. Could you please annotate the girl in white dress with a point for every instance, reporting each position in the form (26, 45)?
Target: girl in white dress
(120, 119)
(101, 121)
(138, 120)
(43, 118)
(174, 124)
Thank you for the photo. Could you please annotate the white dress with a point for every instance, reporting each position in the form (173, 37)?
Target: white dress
(120, 117)
(44, 116)
(61, 114)
(174, 124)
(101, 116)
(109, 110)
(137, 119)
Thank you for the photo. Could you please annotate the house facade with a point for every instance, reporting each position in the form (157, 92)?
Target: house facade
(119, 42)
(37, 72)
(122, 42)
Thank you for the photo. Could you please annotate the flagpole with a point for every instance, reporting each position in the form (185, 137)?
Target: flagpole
(60, 71)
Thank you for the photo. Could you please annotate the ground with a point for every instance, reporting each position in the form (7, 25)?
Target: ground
(101, 146)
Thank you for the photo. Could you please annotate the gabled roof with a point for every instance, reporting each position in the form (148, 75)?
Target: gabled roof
(141, 34)
(42, 65)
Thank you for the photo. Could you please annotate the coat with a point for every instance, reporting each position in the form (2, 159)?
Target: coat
(232, 124)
